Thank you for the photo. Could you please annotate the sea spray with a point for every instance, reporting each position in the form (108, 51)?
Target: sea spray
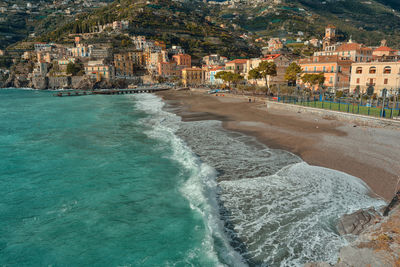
(200, 189)
(278, 210)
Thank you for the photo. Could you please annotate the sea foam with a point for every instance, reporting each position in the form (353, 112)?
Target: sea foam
(201, 187)
(277, 210)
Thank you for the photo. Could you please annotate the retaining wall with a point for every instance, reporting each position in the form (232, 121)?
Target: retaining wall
(59, 82)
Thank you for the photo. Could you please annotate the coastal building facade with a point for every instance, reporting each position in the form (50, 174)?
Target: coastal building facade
(168, 69)
(281, 62)
(193, 76)
(237, 66)
(183, 60)
(336, 70)
(127, 63)
(379, 75)
(98, 70)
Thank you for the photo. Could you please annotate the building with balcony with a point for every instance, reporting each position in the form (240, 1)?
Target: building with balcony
(350, 51)
(168, 69)
(336, 70)
(237, 66)
(98, 70)
(380, 75)
(193, 76)
(128, 63)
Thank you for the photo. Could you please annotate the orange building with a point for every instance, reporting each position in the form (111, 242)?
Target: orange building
(335, 69)
(183, 60)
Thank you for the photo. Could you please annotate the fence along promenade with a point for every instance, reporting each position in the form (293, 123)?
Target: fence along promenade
(376, 108)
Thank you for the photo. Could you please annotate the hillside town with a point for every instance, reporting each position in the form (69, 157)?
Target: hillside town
(349, 67)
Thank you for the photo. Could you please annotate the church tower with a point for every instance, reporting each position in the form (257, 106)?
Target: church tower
(330, 36)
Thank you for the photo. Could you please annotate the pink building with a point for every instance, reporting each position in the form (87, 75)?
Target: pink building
(167, 69)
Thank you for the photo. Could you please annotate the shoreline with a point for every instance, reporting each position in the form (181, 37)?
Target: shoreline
(366, 152)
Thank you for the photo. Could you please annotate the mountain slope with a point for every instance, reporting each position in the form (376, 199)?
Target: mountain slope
(367, 21)
(177, 23)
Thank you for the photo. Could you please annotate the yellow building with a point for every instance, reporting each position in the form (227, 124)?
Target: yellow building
(98, 70)
(380, 75)
(192, 76)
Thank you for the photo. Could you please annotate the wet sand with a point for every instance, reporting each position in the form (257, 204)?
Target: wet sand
(369, 153)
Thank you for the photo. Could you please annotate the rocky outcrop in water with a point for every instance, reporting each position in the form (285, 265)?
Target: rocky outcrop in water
(378, 241)
(357, 222)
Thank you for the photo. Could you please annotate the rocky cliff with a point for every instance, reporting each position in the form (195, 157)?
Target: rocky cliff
(378, 240)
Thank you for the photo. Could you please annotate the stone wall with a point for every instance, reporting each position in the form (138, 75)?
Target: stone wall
(76, 81)
(40, 82)
(59, 82)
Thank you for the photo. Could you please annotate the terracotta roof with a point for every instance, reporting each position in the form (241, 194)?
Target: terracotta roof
(238, 61)
(384, 48)
(349, 47)
(215, 69)
(272, 56)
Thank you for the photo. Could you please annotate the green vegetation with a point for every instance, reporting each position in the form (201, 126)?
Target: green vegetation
(75, 69)
(292, 73)
(366, 21)
(173, 22)
(265, 70)
(313, 79)
(229, 77)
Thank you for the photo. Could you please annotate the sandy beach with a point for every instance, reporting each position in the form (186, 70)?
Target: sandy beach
(369, 153)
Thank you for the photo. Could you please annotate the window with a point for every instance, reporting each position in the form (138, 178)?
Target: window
(333, 69)
(315, 68)
(387, 70)
(358, 80)
(359, 70)
(372, 70)
(385, 81)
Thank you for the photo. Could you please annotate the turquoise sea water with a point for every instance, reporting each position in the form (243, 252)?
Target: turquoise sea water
(123, 181)
(82, 184)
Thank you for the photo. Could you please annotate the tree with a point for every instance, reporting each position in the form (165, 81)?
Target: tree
(74, 68)
(267, 69)
(236, 78)
(313, 79)
(254, 74)
(292, 73)
(229, 77)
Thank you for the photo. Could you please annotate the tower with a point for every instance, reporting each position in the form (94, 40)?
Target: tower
(330, 36)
